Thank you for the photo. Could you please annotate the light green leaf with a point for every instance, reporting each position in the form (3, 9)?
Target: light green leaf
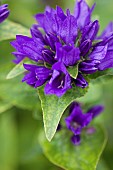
(73, 71)
(19, 94)
(9, 29)
(102, 76)
(8, 141)
(91, 96)
(70, 157)
(17, 70)
(53, 108)
(4, 105)
(14, 91)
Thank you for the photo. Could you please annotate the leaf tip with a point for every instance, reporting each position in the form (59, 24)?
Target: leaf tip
(8, 76)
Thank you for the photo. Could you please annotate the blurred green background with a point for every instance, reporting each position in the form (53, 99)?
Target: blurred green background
(20, 112)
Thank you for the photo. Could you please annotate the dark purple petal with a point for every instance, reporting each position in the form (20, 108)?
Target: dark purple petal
(31, 81)
(60, 13)
(85, 47)
(49, 21)
(37, 75)
(99, 53)
(4, 12)
(104, 54)
(96, 110)
(90, 31)
(31, 53)
(30, 67)
(82, 13)
(42, 72)
(20, 41)
(57, 25)
(40, 18)
(40, 82)
(28, 47)
(51, 39)
(28, 76)
(107, 40)
(80, 81)
(44, 22)
(35, 32)
(19, 57)
(77, 120)
(89, 66)
(107, 62)
(76, 139)
(48, 56)
(69, 55)
(69, 30)
(60, 81)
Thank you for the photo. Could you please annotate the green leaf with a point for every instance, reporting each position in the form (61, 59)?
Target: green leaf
(9, 29)
(14, 91)
(53, 107)
(73, 71)
(91, 96)
(102, 165)
(4, 105)
(8, 141)
(19, 94)
(17, 70)
(102, 76)
(70, 157)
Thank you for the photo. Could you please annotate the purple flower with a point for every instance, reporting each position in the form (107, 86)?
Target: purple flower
(80, 81)
(77, 120)
(61, 40)
(37, 75)
(68, 55)
(60, 81)
(4, 12)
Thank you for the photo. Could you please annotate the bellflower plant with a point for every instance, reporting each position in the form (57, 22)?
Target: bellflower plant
(60, 42)
(60, 60)
(4, 12)
(77, 120)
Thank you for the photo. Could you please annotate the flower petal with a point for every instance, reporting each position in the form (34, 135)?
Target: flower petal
(67, 54)
(60, 81)
(80, 81)
(4, 12)
(96, 110)
(82, 13)
(76, 139)
(69, 30)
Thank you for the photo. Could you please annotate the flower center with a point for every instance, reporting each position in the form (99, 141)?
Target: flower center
(75, 125)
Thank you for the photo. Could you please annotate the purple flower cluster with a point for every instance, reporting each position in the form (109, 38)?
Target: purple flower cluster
(4, 12)
(62, 41)
(77, 121)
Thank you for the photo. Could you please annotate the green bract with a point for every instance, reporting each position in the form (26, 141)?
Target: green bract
(53, 108)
